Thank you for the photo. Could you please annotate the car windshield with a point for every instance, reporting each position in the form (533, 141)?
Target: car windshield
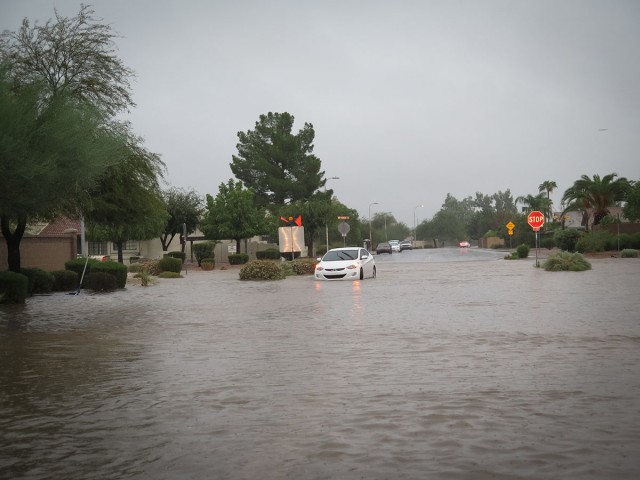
(337, 255)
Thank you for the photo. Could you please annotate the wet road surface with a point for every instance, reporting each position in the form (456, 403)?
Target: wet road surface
(436, 369)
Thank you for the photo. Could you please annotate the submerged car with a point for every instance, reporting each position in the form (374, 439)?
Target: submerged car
(384, 247)
(348, 263)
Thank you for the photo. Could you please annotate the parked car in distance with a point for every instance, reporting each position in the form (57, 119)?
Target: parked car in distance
(406, 245)
(384, 247)
(395, 245)
(348, 263)
(464, 244)
(101, 258)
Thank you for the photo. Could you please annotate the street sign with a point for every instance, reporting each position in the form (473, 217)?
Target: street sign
(344, 228)
(535, 219)
(510, 226)
(343, 217)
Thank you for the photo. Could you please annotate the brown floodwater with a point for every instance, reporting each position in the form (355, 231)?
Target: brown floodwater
(436, 369)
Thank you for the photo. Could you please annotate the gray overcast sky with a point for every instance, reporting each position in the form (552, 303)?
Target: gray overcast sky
(410, 100)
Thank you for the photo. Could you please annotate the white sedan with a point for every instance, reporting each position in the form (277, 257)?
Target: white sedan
(464, 244)
(348, 263)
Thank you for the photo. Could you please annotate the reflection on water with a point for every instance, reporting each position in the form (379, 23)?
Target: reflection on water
(463, 370)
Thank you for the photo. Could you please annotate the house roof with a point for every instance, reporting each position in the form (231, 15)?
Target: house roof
(60, 226)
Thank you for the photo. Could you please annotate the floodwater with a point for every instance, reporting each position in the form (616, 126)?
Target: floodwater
(434, 370)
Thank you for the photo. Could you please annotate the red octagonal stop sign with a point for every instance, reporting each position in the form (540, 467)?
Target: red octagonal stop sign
(535, 219)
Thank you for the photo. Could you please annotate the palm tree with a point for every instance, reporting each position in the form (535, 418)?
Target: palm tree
(534, 202)
(597, 195)
(548, 186)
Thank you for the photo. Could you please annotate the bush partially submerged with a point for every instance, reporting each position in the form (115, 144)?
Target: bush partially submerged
(100, 282)
(629, 253)
(65, 280)
(565, 261)
(304, 266)
(169, 275)
(261, 270)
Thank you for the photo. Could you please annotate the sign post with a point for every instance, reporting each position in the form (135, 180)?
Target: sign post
(510, 226)
(536, 220)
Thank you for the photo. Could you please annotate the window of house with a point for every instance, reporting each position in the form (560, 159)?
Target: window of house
(128, 245)
(97, 248)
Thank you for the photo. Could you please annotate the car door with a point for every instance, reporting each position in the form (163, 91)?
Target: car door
(367, 263)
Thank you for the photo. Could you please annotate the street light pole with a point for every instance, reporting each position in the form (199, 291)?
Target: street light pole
(326, 225)
(371, 239)
(414, 222)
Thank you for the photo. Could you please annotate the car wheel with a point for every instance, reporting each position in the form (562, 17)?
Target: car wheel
(374, 272)
(361, 274)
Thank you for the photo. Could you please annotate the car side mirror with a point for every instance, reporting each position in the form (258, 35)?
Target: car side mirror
(363, 257)
(319, 259)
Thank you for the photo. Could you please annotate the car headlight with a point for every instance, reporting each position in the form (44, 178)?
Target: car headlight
(353, 265)
(319, 267)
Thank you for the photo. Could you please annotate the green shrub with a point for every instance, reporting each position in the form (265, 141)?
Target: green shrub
(268, 254)
(77, 265)
(145, 277)
(117, 270)
(623, 240)
(177, 254)
(548, 243)
(136, 268)
(306, 266)
(100, 282)
(203, 250)
(287, 269)
(566, 239)
(596, 242)
(522, 251)
(629, 253)
(39, 280)
(64, 280)
(151, 266)
(261, 270)
(635, 241)
(170, 275)
(208, 264)
(170, 264)
(566, 261)
(13, 287)
(238, 258)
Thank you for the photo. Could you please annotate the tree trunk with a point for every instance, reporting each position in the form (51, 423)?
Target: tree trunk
(13, 241)
(238, 245)
(119, 247)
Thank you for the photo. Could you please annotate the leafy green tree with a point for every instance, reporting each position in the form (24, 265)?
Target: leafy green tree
(631, 210)
(183, 207)
(232, 214)
(72, 55)
(596, 194)
(277, 165)
(50, 157)
(127, 203)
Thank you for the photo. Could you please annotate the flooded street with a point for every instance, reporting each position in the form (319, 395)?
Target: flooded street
(484, 369)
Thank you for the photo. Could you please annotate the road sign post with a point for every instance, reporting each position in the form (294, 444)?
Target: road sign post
(536, 220)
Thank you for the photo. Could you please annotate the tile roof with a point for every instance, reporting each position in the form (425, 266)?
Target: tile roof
(59, 225)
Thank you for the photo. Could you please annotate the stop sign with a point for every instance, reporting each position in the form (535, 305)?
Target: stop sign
(535, 219)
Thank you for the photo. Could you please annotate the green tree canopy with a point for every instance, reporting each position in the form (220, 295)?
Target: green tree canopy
(232, 214)
(276, 164)
(126, 202)
(631, 209)
(183, 207)
(73, 55)
(51, 155)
